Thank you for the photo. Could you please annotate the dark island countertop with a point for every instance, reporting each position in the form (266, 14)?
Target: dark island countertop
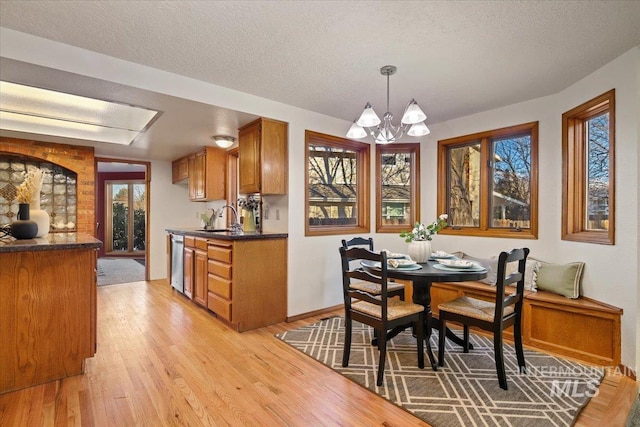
(50, 242)
(226, 235)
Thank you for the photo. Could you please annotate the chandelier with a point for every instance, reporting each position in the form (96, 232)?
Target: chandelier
(384, 131)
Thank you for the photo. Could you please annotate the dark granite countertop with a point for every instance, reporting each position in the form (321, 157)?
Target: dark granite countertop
(50, 242)
(226, 235)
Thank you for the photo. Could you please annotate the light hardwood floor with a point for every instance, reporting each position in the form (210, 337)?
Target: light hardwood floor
(162, 361)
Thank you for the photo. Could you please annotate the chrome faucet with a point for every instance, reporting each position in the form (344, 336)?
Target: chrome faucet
(236, 227)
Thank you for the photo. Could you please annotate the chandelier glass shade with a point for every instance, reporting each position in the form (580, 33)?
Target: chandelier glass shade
(384, 131)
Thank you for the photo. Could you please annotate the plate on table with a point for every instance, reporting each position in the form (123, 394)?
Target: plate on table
(392, 255)
(405, 267)
(441, 255)
(475, 269)
(401, 263)
(458, 263)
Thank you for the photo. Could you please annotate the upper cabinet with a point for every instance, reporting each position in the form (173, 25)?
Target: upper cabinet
(207, 174)
(263, 157)
(180, 169)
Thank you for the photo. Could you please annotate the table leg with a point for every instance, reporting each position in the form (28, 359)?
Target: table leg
(422, 296)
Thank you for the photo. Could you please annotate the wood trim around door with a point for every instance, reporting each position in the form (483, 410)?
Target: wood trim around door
(147, 179)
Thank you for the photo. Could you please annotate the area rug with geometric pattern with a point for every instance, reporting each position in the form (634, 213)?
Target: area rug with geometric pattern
(465, 392)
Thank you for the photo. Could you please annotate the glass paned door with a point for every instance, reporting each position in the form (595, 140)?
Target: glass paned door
(126, 216)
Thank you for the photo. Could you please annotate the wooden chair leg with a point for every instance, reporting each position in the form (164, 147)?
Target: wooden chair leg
(465, 337)
(347, 342)
(419, 326)
(441, 338)
(517, 332)
(497, 350)
(382, 341)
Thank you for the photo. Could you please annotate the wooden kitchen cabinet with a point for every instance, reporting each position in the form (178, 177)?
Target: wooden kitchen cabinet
(189, 273)
(263, 157)
(180, 169)
(207, 174)
(200, 272)
(48, 306)
(246, 288)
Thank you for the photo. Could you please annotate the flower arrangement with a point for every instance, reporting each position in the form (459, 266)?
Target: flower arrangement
(250, 203)
(422, 232)
(29, 190)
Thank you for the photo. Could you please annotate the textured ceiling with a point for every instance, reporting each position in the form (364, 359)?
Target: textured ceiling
(454, 58)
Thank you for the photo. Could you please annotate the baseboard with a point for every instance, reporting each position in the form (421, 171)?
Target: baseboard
(314, 313)
(627, 372)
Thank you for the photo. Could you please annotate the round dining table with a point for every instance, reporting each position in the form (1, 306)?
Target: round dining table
(422, 279)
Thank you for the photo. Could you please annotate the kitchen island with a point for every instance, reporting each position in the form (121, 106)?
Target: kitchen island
(47, 308)
(240, 278)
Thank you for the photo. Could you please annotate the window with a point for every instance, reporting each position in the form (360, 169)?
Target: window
(397, 187)
(337, 177)
(488, 182)
(126, 216)
(588, 187)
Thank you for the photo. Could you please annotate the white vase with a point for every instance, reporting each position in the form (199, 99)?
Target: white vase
(419, 250)
(41, 217)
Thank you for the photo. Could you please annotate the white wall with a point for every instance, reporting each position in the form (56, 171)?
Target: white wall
(314, 281)
(638, 216)
(169, 207)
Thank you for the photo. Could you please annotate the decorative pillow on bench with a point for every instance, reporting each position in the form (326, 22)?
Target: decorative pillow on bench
(562, 279)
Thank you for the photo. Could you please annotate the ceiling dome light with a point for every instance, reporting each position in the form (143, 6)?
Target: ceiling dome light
(224, 141)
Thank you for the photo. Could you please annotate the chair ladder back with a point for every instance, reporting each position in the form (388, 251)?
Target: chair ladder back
(502, 300)
(358, 241)
(357, 253)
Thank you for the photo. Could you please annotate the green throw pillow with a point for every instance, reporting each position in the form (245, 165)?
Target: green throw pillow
(562, 279)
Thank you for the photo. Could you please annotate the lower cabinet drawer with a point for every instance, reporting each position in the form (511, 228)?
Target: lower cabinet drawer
(220, 253)
(220, 286)
(220, 269)
(220, 306)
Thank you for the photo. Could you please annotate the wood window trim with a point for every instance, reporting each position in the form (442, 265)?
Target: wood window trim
(414, 150)
(108, 195)
(574, 171)
(484, 229)
(363, 184)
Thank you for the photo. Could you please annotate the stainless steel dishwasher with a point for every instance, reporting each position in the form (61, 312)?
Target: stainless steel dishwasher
(177, 262)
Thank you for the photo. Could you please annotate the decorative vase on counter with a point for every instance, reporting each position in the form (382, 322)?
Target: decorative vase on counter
(41, 217)
(249, 223)
(23, 227)
(419, 250)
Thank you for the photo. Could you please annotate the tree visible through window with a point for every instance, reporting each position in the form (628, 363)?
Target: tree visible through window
(487, 182)
(126, 227)
(337, 185)
(588, 141)
(398, 186)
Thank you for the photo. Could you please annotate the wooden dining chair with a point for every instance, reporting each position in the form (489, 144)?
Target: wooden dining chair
(393, 288)
(376, 309)
(495, 316)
